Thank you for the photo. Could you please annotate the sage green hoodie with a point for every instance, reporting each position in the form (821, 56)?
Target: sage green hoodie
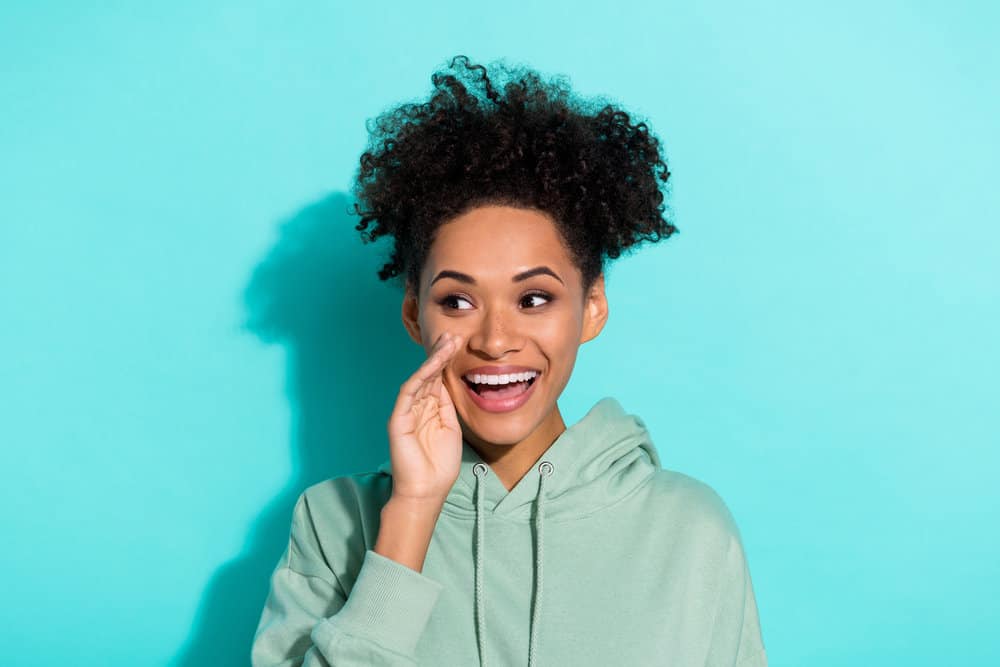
(597, 556)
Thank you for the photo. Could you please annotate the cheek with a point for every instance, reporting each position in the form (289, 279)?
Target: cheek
(433, 324)
(560, 339)
(431, 327)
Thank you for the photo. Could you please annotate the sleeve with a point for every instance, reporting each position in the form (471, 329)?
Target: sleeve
(736, 635)
(309, 621)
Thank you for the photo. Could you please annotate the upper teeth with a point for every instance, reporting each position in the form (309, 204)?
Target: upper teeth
(500, 379)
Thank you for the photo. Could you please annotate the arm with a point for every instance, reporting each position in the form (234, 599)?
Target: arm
(310, 621)
(736, 635)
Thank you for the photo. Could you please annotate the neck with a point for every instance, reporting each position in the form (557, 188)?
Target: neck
(511, 462)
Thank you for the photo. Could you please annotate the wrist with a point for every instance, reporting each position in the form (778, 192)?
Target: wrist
(413, 506)
(406, 530)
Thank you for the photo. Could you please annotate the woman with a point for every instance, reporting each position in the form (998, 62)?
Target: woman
(495, 535)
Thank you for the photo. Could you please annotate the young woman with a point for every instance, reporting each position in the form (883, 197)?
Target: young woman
(495, 534)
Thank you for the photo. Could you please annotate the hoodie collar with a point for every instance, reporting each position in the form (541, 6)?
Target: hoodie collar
(595, 462)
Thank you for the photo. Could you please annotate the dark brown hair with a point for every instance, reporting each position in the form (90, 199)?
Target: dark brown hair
(509, 137)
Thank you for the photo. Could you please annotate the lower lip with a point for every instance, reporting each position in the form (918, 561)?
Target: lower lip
(501, 404)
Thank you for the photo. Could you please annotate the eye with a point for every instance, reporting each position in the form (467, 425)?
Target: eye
(453, 298)
(536, 295)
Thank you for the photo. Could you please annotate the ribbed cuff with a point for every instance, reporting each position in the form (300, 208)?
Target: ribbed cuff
(390, 605)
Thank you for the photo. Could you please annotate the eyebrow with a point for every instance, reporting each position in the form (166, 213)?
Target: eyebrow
(524, 275)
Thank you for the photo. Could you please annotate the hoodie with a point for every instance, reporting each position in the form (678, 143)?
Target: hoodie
(597, 556)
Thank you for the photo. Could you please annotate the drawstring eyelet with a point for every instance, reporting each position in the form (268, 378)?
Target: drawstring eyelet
(480, 468)
(545, 468)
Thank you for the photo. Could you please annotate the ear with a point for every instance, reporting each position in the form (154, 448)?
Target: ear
(411, 316)
(595, 310)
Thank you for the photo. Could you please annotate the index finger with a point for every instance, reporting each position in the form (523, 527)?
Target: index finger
(432, 366)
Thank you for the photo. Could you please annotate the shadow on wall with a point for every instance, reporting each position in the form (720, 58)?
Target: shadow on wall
(318, 294)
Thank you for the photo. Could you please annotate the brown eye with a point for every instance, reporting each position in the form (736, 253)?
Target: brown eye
(536, 295)
(453, 299)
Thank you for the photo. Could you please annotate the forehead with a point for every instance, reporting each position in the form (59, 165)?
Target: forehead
(497, 241)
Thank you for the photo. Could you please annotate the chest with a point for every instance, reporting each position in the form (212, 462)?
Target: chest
(608, 592)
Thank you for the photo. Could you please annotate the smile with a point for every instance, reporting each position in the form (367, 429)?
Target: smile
(501, 393)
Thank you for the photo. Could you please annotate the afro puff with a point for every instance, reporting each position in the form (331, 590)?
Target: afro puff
(513, 139)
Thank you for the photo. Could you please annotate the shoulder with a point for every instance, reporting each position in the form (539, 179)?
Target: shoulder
(694, 508)
(335, 521)
(356, 493)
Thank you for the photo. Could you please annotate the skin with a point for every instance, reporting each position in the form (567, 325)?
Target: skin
(497, 321)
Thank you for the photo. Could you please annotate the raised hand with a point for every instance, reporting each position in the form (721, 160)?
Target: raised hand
(425, 438)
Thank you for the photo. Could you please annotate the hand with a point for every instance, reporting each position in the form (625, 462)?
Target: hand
(425, 438)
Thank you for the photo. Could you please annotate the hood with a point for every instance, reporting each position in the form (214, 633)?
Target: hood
(593, 463)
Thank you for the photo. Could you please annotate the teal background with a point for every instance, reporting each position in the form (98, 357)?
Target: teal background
(192, 332)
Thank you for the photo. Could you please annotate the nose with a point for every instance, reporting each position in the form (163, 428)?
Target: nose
(496, 335)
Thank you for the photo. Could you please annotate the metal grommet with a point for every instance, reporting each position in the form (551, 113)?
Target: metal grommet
(480, 468)
(545, 468)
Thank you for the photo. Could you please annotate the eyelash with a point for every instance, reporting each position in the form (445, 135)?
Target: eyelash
(444, 300)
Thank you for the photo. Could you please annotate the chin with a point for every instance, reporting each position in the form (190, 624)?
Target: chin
(496, 429)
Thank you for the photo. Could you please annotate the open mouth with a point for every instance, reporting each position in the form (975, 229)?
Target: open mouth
(500, 391)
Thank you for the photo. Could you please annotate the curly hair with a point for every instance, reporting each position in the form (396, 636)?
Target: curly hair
(514, 140)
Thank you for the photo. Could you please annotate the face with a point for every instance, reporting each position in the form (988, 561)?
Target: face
(501, 279)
